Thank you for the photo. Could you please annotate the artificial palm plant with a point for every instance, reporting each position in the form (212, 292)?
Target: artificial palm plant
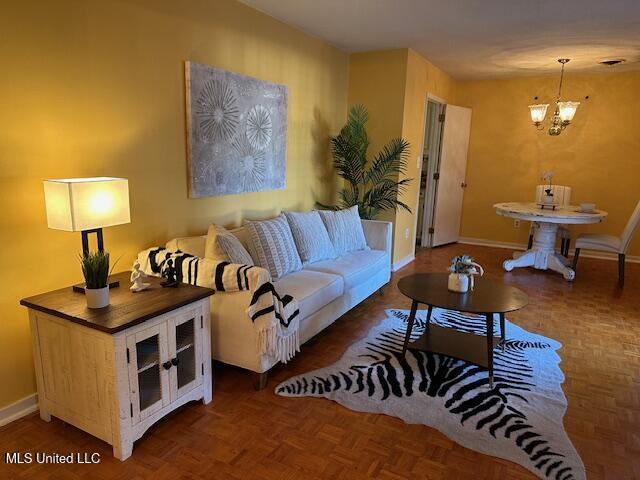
(373, 186)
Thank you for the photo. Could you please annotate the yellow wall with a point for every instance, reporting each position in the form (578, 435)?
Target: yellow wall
(377, 81)
(97, 88)
(422, 78)
(598, 155)
(393, 85)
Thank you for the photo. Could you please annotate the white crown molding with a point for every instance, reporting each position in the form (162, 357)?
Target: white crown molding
(521, 246)
(19, 409)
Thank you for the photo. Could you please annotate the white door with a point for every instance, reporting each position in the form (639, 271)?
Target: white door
(451, 175)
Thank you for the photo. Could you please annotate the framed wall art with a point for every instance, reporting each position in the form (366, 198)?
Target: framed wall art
(236, 132)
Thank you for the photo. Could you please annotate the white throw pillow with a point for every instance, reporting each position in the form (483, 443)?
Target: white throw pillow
(211, 248)
(273, 246)
(311, 236)
(235, 251)
(345, 229)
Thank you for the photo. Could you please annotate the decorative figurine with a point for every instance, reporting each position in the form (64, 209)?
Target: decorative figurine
(170, 274)
(138, 277)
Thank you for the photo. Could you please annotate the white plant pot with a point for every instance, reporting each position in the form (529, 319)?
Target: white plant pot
(97, 297)
(459, 282)
(547, 199)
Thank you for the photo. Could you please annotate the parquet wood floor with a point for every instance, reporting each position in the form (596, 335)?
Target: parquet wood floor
(246, 434)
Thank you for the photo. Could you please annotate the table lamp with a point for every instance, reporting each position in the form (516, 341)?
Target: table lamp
(87, 205)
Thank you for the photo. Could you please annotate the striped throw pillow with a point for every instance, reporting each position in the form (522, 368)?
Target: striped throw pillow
(345, 230)
(234, 250)
(273, 246)
(311, 236)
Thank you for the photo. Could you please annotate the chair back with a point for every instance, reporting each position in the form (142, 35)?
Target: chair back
(629, 230)
(561, 194)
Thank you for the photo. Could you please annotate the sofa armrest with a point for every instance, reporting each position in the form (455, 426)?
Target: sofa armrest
(192, 245)
(378, 234)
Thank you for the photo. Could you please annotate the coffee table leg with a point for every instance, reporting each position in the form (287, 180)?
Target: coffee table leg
(490, 347)
(426, 327)
(502, 334)
(412, 317)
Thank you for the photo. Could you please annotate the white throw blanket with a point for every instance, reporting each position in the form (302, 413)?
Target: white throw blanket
(275, 317)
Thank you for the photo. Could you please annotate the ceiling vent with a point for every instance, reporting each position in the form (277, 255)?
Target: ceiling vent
(612, 62)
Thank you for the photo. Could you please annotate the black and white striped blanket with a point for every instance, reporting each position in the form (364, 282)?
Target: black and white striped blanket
(274, 316)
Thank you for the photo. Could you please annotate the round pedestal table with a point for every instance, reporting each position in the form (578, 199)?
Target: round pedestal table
(542, 255)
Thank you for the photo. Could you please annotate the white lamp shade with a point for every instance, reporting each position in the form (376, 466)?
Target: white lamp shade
(538, 112)
(567, 110)
(76, 204)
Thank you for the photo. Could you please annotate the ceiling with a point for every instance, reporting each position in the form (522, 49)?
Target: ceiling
(476, 38)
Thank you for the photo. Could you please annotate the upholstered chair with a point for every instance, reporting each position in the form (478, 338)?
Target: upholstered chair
(562, 197)
(610, 243)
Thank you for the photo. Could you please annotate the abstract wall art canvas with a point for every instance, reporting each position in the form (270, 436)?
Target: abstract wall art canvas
(236, 132)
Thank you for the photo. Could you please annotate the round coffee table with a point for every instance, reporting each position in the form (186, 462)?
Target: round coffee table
(489, 297)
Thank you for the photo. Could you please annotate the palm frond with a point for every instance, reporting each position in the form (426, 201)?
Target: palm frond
(374, 189)
(349, 197)
(349, 156)
(391, 160)
(324, 206)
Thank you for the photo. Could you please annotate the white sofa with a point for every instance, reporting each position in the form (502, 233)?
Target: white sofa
(324, 290)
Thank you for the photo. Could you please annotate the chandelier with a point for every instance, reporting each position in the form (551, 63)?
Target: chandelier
(564, 111)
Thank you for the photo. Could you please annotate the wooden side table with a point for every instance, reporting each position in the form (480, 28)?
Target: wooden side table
(488, 298)
(115, 371)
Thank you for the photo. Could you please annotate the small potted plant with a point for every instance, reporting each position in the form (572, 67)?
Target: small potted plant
(462, 270)
(547, 197)
(95, 268)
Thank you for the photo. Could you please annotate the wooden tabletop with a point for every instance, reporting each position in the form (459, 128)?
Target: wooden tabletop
(488, 296)
(565, 214)
(126, 308)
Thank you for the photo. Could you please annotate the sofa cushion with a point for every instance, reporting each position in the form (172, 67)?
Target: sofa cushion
(312, 290)
(311, 237)
(273, 248)
(354, 267)
(345, 229)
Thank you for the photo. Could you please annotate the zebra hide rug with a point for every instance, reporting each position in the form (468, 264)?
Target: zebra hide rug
(520, 419)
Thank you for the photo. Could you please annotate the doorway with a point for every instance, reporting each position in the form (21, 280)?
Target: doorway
(428, 173)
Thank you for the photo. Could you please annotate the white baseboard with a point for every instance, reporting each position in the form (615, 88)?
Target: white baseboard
(492, 243)
(521, 246)
(19, 409)
(401, 263)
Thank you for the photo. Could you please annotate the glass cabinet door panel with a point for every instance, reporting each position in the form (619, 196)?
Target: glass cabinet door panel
(148, 366)
(185, 353)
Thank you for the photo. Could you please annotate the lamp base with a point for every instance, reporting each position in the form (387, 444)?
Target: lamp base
(79, 288)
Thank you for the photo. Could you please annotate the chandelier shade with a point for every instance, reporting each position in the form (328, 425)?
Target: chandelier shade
(538, 112)
(567, 110)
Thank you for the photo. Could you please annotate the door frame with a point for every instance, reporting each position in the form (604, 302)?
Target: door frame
(432, 168)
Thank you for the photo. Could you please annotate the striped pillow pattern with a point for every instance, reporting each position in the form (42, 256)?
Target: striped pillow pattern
(311, 236)
(274, 247)
(345, 230)
(230, 244)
